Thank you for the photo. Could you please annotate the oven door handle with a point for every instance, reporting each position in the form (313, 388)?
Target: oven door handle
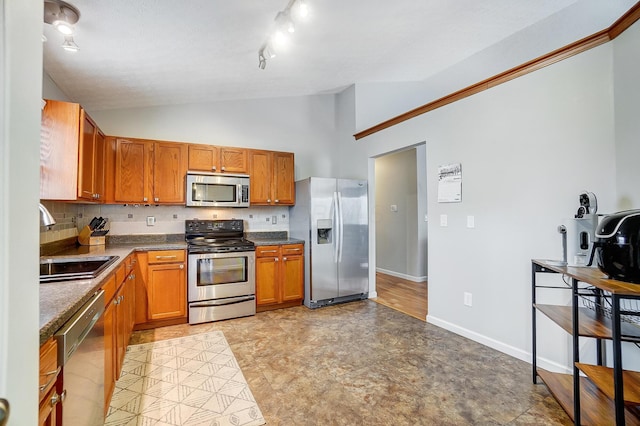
(222, 302)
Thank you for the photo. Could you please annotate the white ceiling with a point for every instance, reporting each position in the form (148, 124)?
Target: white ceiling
(159, 52)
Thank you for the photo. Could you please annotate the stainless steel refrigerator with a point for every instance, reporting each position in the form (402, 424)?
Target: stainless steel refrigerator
(331, 216)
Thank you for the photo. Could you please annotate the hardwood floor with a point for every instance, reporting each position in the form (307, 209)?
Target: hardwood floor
(406, 296)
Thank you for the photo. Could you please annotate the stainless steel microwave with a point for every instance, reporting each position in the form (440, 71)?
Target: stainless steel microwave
(217, 190)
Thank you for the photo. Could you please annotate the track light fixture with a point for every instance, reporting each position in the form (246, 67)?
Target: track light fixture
(63, 17)
(284, 25)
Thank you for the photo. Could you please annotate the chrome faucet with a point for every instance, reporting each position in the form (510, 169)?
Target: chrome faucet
(47, 219)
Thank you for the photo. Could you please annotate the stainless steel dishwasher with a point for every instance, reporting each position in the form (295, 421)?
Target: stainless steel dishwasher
(81, 355)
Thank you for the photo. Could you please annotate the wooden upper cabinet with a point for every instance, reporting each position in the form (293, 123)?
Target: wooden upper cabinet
(260, 171)
(131, 171)
(86, 158)
(284, 186)
(71, 154)
(203, 158)
(217, 159)
(90, 161)
(149, 172)
(169, 171)
(272, 178)
(233, 160)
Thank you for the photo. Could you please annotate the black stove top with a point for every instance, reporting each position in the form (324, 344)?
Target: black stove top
(216, 236)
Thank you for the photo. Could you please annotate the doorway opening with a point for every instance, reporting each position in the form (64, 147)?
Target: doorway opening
(401, 231)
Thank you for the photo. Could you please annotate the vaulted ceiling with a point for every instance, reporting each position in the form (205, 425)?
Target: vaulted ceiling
(159, 52)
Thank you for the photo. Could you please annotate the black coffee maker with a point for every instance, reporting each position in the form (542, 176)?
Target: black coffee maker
(617, 246)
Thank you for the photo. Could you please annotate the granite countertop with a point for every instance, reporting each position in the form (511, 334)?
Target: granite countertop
(272, 238)
(60, 300)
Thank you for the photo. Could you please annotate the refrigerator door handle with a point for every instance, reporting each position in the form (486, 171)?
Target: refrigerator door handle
(340, 227)
(336, 238)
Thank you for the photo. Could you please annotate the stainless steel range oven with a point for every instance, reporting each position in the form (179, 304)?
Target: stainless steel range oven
(221, 270)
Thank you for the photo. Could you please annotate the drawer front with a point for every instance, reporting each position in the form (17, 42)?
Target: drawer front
(48, 367)
(166, 256)
(109, 288)
(120, 274)
(267, 251)
(292, 249)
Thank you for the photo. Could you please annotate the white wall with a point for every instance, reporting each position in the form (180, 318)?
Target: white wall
(380, 101)
(527, 148)
(20, 77)
(626, 69)
(304, 125)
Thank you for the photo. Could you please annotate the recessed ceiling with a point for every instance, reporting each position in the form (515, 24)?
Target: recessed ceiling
(160, 52)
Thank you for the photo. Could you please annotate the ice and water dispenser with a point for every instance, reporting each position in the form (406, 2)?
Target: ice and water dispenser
(325, 231)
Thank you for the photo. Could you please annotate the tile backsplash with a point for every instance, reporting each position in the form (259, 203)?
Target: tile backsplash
(66, 226)
(132, 219)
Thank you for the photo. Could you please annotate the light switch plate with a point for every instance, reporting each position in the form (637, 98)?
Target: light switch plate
(151, 220)
(443, 220)
(471, 222)
(394, 207)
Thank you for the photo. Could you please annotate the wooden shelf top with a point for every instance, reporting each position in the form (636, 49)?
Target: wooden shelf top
(602, 377)
(593, 276)
(591, 324)
(596, 407)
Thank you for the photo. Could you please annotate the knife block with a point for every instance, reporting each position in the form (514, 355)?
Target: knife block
(85, 238)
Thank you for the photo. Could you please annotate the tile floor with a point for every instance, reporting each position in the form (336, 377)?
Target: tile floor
(363, 363)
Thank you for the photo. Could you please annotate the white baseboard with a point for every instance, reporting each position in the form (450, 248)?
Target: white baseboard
(403, 276)
(373, 294)
(499, 346)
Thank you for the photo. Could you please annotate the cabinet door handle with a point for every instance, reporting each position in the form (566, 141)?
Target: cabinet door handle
(222, 168)
(144, 199)
(284, 259)
(53, 374)
(213, 168)
(181, 266)
(167, 257)
(268, 200)
(268, 251)
(55, 398)
(277, 201)
(156, 199)
(275, 259)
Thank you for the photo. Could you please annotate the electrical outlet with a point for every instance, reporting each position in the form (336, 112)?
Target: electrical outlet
(468, 299)
(274, 220)
(394, 207)
(151, 220)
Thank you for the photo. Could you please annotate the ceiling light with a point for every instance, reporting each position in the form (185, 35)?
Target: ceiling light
(284, 21)
(69, 45)
(63, 17)
(269, 51)
(63, 27)
(262, 61)
(303, 9)
(284, 25)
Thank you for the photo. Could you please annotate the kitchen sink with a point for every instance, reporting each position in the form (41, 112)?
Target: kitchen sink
(80, 268)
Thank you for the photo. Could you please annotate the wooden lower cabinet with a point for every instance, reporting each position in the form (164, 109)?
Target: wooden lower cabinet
(161, 290)
(50, 408)
(279, 276)
(118, 322)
